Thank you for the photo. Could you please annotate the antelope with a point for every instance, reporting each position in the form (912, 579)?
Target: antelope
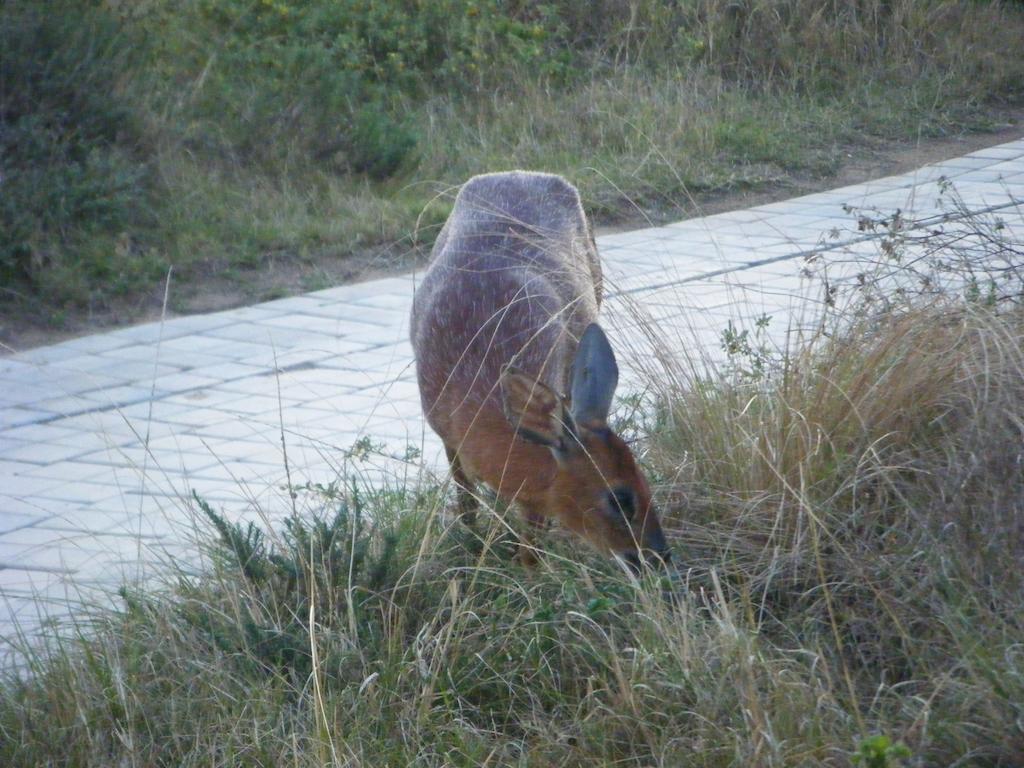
(503, 326)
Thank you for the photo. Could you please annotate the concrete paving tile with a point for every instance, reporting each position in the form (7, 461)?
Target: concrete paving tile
(12, 521)
(16, 416)
(42, 453)
(273, 386)
(178, 382)
(70, 405)
(967, 162)
(127, 456)
(350, 405)
(197, 343)
(236, 350)
(119, 429)
(22, 582)
(928, 173)
(732, 218)
(38, 433)
(230, 475)
(245, 332)
(794, 207)
(234, 427)
(172, 328)
(180, 404)
(11, 468)
(198, 418)
(230, 371)
(149, 333)
(251, 404)
(358, 382)
(298, 304)
(254, 312)
(49, 354)
(400, 390)
(68, 471)
(316, 376)
(80, 492)
(195, 324)
(1009, 151)
(50, 389)
(381, 427)
(69, 558)
(127, 394)
(47, 537)
(396, 301)
(306, 330)
(324, 308)
(650, 253)
(375, 335)
(632, 239)
(15, 503)
(336, 312)
(215, 448)
(198, 363)
(55, 382)
(156, 410)
(92, 519)
(146, 353)
(12, 367)
(133, 371)
(615, 274)
(372, 361)
(990, 174)
(357, 291)
(78, 515)
(1013, 186)
(173, 462)
(283, 359)
(1009, 167)
(301, 394)
(97, 343)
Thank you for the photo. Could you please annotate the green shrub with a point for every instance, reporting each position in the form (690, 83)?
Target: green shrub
(330, 80)
(72, 180)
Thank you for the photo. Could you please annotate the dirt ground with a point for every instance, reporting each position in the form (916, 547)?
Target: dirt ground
(285, 277)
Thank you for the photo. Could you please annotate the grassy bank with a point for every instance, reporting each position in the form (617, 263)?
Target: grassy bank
(224, 138)
(846, 517)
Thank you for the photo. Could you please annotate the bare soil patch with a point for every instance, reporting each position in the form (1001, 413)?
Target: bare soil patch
(283, 276)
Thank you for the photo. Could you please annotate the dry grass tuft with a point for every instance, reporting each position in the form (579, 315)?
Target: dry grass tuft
(852, 527)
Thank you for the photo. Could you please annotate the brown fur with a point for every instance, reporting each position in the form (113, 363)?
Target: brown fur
(514, 279)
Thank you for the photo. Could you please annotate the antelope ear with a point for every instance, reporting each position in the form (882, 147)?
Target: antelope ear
(535, 411)
(595, 376)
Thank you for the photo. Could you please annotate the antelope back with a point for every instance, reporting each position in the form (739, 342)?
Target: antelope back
(514, 277)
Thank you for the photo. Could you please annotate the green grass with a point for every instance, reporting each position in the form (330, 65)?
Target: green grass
(234, 135)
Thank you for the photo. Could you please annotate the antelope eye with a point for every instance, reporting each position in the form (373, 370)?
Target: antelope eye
(624, 500)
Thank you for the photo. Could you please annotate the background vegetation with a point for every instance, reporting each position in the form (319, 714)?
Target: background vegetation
(224, 137)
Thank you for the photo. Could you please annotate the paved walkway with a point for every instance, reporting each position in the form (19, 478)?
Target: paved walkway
(103, 438)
